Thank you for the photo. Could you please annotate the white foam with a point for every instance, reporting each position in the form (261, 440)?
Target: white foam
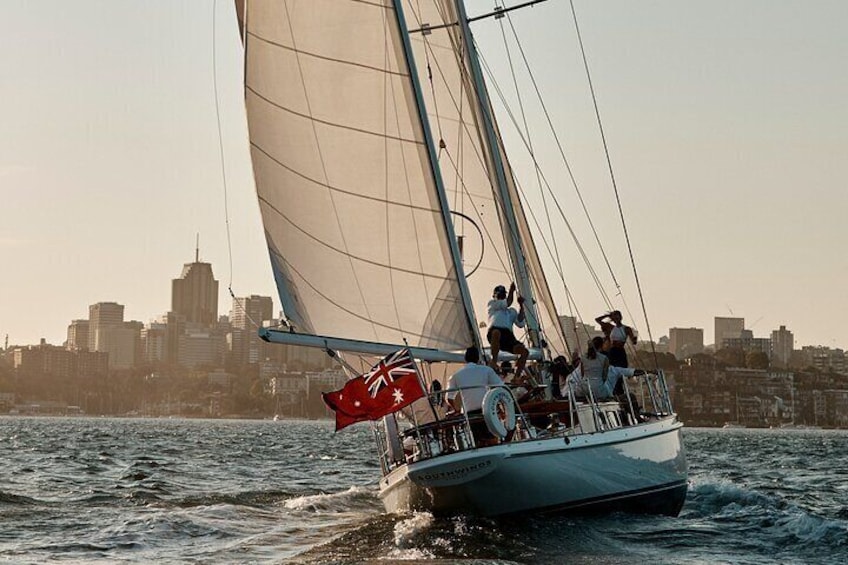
(407, 530)
(323, 501)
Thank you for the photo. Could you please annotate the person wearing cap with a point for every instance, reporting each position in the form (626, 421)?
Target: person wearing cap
(501, 320)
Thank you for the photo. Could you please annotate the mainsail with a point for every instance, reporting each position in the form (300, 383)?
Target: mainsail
(358, 242)
(350, 195)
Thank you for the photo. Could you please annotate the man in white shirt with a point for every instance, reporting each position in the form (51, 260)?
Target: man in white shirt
(468, 386)
(501, 320)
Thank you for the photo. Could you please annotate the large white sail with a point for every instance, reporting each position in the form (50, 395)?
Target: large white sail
(358, 242)
(468, 169)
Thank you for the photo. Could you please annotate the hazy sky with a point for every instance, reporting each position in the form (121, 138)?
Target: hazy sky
(727, 124)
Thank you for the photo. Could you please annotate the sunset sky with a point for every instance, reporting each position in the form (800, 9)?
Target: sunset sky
(727, 125)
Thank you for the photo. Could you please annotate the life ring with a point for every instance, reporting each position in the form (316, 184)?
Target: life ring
(499, 412)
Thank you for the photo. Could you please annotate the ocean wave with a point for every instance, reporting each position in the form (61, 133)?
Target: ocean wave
(354, 498)
(9, 498)
(809, 531)
(255, 498)
(710, 498)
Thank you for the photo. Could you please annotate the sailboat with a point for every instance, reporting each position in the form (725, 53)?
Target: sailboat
(388, 202)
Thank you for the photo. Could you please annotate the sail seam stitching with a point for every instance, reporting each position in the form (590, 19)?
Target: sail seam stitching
(343, 309)
(348, 254)
(324, 57)
(329, 123)
(341, 190)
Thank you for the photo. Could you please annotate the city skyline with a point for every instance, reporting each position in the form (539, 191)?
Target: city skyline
(726, 127)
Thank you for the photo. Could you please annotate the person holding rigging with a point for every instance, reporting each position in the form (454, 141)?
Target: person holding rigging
(501, 319)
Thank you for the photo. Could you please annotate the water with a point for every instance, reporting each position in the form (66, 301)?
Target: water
(188, 491)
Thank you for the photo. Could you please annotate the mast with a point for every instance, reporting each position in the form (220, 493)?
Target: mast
(437, 175)
(519, 263)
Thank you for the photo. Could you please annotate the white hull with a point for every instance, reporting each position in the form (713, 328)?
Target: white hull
(639, 468)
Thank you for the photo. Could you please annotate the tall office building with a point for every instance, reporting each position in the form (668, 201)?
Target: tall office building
(251, 309)
(728, 328)
(248, 313)
(78, 335)
(782, 344)
(102, 316)
(195, 294)
(685, 342)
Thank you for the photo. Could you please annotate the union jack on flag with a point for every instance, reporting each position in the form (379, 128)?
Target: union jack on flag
(390, 385)
(390, 368)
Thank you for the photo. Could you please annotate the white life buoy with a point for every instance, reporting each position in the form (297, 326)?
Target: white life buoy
(499, 412)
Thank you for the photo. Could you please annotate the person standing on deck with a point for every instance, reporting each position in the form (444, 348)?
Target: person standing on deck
(501, 319)
(618, 334)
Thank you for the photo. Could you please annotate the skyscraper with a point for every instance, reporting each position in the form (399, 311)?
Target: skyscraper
(247, 315)
(101, 317)
(195, 294)
(78, 335)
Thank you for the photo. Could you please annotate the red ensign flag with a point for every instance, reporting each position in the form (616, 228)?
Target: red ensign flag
(389, 386)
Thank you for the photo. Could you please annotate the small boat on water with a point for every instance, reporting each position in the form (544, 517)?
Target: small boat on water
(388, 203)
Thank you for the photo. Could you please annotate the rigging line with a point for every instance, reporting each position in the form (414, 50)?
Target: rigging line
(562, 152)
(459, 55)
(557, 257)
(238, 302)
(324, 166)
(559, 269)
(530, 143)
(505, 268)
(574, 237)
(221, 144)
(614, 185)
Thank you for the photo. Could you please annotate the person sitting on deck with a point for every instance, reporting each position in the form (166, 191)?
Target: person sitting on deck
(468, 386)
(602, 378)
(501, 319)
(591, 373)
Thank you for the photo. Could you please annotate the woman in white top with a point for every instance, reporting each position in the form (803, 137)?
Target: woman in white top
(592, 372)
(618, 335)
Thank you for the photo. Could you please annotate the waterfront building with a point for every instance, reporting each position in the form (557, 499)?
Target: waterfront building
(122, 342)
(748, 344)
(685, 342)
(782, 344)
(727, 328)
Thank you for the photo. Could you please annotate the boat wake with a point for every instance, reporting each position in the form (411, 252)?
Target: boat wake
(354, 499)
